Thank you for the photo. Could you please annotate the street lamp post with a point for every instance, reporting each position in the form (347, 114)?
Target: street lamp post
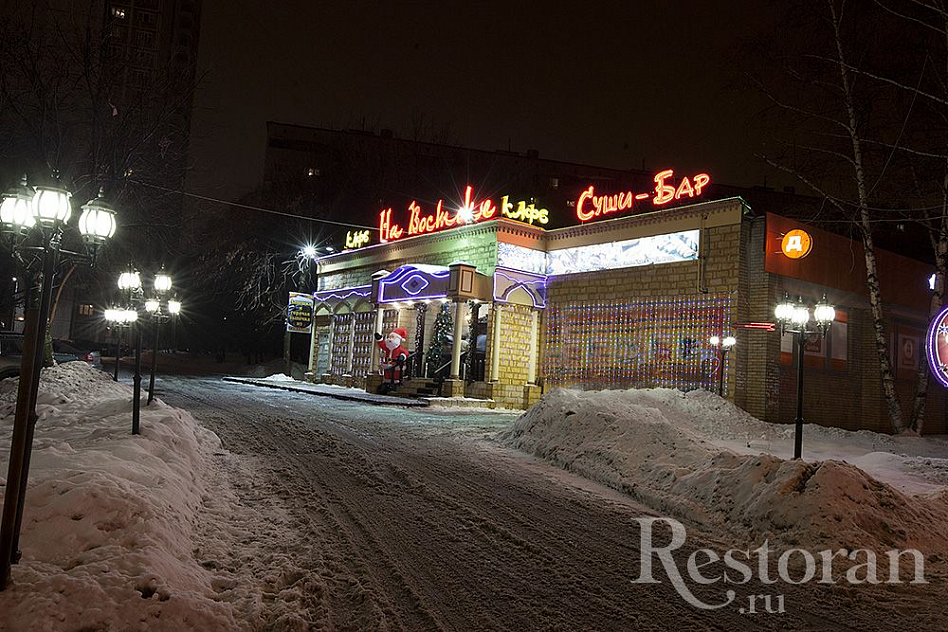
(34, 220)
(794, 318)
(153, 306)
(721, 347)
(130, 283)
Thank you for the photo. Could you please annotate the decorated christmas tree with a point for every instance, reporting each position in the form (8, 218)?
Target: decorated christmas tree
(440, 348)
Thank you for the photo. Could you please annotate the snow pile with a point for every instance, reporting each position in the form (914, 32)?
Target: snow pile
(279, 377)
(661, 447)
(107, 528)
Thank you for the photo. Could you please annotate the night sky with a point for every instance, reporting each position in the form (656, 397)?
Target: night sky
(607, 83)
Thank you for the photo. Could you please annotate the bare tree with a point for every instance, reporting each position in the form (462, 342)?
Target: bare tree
(101, 112)
(837, 128)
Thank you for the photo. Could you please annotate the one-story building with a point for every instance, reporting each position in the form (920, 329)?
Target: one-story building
(628, 296)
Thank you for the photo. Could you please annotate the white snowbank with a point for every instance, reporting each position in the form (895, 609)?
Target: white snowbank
(279, 377)
(664, 448)
(107, 528)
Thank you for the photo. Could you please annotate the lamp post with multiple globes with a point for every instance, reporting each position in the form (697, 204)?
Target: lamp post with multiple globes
(794, 318)
(34, 221)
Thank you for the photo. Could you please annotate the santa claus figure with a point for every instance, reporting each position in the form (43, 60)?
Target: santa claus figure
(394, 354)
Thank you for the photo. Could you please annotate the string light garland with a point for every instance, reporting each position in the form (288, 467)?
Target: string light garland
(647, 343)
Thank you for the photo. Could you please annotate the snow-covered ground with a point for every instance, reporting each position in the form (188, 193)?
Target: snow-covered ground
(108, 527)
(697, 457)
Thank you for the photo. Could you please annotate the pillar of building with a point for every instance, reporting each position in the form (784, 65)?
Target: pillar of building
(534, 332)
(332, 341)
(495, 344)
(456, 342)
(376, 329)
(472, 341)
(421, 312)
(352, 332)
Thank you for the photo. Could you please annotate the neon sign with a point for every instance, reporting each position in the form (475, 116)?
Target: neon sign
(470, 212)
(357, 239)
(937, 346)
(796, 244)
(590, 206)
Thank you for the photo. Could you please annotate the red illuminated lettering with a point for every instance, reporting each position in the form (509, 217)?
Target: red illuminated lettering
(388, 231)
(590, 206)
(701, 180)
(684, 188)
(580, 211)
(664, 193)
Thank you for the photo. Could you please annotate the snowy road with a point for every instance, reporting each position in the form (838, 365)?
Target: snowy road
(358, 517)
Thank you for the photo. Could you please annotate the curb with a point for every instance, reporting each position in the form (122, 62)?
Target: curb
(368, 399)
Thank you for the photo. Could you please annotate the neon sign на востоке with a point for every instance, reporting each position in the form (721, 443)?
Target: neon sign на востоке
(470, 212)
(589, 206)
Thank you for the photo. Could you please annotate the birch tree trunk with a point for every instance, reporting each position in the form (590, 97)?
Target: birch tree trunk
(872, 277)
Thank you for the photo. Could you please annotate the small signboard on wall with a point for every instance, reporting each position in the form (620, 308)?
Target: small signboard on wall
(299, 313)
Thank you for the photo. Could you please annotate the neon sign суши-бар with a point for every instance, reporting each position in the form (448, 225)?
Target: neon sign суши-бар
(590, 206)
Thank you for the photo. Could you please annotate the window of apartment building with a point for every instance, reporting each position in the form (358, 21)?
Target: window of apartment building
(312, 172)
(86, 309)
(145, 58)
(821, 352)
(554, 183)
(144, 39)
(138, 78)
(146, 19)
(118, 12)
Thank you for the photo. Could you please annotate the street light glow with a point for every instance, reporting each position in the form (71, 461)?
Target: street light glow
(174, 307)
(309, 250)
(51, 206)
(729, 342)
(715, 341)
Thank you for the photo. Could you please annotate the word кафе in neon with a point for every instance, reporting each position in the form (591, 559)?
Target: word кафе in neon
(590, 206)
(470, 212)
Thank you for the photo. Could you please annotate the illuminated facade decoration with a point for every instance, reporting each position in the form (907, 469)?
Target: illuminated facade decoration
(937, 347)
(646, 343)
(629, 253)
(414, 283)
(444, 215)
(519, 286)
(520, 258)
(590, 206)
(357, 239)
(796, 244)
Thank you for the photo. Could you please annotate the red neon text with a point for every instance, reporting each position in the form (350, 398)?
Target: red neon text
(590, 206)
(419, 223)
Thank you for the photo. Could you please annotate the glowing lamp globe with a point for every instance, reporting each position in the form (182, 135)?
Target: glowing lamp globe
(130, 280)
(16, 208)
(714, 340)
(729, 342)
(51, 206)
(784, 311)
(97, 221)
(824, 313)
(129, 315)
(152, 305)
(174, 307)
(801, 315)
(162, 282)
